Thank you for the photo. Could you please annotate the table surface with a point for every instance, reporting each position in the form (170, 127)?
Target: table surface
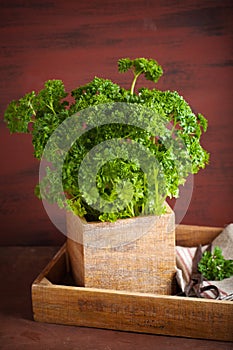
(19, 266)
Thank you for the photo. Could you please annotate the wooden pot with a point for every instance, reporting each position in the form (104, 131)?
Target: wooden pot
(135, 254)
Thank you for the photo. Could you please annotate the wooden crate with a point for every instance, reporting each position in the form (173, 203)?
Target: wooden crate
(135, 254)
(54, 301)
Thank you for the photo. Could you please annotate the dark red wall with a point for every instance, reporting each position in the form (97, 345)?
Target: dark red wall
(75, 40)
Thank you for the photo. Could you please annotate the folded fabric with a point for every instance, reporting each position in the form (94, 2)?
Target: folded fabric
(184, 258)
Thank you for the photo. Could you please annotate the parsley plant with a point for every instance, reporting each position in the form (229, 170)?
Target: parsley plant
(118, 180)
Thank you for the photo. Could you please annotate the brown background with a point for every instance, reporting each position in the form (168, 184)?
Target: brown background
(76, 40)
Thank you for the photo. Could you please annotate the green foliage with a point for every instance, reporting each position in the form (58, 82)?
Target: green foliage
(118, 181)
(19, 113)
(213, 266)
(149, 67)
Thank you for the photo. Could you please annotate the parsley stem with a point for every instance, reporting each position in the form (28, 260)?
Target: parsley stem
(131, 209)
(50, 106)
(134, 81)
(31, 106)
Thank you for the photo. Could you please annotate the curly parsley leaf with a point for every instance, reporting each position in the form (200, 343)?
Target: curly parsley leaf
(214, 267)
(20, 113)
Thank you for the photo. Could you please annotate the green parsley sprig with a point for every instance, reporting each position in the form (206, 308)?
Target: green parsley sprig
(214, 267)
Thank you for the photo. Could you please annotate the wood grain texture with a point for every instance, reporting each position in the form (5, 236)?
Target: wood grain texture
(131, 311)
(136, 254)
(19, 266)
(74, 41)
(192, 236)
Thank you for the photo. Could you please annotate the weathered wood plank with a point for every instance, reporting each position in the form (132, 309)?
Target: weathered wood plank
(192, 236)
(144, 313)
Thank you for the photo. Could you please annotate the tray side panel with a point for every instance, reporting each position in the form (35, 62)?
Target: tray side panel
(134, 312)
(192, 236)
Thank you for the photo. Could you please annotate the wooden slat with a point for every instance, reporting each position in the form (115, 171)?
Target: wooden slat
(56, 268)
(135, 312)
(191, 236)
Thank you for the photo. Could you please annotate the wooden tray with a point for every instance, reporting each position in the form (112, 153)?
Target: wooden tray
(56, 300)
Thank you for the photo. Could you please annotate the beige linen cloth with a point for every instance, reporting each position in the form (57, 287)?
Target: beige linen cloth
(184, 258)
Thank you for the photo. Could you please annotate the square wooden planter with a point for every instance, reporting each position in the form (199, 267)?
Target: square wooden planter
(136, 254)
(55, 299)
